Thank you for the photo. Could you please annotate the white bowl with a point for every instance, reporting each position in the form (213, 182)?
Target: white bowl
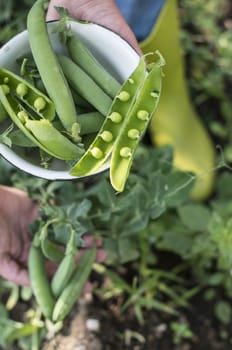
(113, 51)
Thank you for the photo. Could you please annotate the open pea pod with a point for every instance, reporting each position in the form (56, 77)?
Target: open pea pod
(28, 94)
(41, 132)
(100, 148)
(135, 125)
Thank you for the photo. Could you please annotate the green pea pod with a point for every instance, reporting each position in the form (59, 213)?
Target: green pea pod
(100, 149)
(81, 55)
(39, 281)
(65, 268)
(135, 126)
(3, 114)
(16, 114)
(48, 65)
(85, 85)
(27, 94)
(73, 289)
(41, 132)
(90, 122)
(52, 140)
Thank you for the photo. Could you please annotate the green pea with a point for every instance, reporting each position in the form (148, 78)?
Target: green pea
(107, 136)
(125, 152)
(133, 134)
(124, 95)
(21, 90)
(39, 104)
(115, 117)
(96, 153)
(143, 115)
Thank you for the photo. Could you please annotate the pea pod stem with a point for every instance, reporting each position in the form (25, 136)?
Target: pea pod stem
(48, 65)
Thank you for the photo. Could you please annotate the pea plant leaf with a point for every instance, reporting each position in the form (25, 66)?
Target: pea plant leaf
(194, 216)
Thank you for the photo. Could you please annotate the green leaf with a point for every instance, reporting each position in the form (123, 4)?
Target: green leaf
(195, 216)
(127, 250)
(223, 311)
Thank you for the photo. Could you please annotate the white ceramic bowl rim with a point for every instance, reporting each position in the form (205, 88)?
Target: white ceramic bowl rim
(116, 53)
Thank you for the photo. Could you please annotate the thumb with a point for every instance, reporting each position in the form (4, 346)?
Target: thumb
(12, 271)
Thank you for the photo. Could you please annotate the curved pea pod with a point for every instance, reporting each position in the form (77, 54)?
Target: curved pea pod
(17, 115)
(65, 268)
(52, 140)
(73, 289)
(81, 55)
(101, 147)
(39, 281)
(48, 66)
(135, 126)
(28, 94)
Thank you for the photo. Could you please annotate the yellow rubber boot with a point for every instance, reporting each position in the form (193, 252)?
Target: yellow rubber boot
(176, 122)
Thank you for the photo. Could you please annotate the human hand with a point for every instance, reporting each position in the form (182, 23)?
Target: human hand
(17, 212)
(103, 12)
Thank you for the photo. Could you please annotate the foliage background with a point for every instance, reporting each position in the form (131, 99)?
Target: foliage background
(165, 251)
